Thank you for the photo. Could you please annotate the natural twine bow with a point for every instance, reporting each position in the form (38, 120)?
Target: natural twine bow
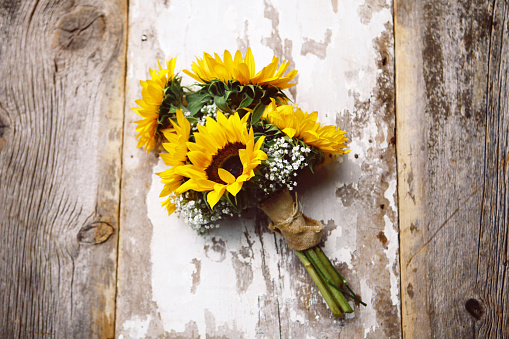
(296, 213)
(287, 218)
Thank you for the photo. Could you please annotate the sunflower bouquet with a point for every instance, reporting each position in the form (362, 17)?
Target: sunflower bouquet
(234, 142)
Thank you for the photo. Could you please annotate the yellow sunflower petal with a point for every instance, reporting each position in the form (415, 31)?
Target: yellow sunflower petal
(214, 146)
(169, 206)
(243, 70)
(290, 132)
(214, 196)
(226, 176)
(234, 188)
(304, 126)
(249, 61)
(152, 96)
(259, 143)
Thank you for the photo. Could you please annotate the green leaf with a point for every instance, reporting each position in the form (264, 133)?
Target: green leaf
(227, 197)
(227, 94)
(270, 93)
(192, 120)
(246, 101)
(251, 90)
(222, 104)
(217, 88)
(273, 128)
(310, 164)
(279, 96)
(195, 101)
(257, 113)
(259, 93)
(288, 139)
(235, 86)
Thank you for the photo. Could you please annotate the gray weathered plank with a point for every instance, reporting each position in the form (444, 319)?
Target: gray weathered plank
(241, 281)
(452, 111)
(61, 114)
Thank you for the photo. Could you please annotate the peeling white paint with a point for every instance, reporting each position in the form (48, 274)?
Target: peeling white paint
(389, 195)
(174, 246)
(368, 314)
(345, 255)
(392, 244)
(391, 253)
(137, 327)
(332, 85)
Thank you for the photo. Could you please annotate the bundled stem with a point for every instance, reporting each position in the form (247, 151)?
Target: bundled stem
(337, 279)
(303, 236)
(327, 280)
(322, 287)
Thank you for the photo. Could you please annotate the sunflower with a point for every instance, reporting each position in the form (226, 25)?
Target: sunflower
(176, 156)
(211, 68)
(223, 156)
(152, 96)
(297, 124)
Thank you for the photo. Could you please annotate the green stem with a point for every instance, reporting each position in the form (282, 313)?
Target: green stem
(334, 277)
(324, 273)
(320, 284)
(337, 279)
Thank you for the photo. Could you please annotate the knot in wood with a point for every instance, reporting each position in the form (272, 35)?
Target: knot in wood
(3, 132)
(83, 26)
(95, 233)
(474, 307)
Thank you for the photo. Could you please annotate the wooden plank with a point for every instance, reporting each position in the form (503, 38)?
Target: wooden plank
(241, 280)
(62, 66)
(452, 112)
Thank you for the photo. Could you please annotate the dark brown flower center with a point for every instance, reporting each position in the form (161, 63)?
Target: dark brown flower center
(228, 159)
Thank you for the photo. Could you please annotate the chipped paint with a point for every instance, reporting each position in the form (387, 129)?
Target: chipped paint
(241, 280)
(176, 250)
(137, 327)
(368, 314)
(393, 245)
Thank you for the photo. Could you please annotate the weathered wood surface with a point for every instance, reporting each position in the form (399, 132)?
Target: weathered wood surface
(62, 67)
(241, 280)
(453, 113)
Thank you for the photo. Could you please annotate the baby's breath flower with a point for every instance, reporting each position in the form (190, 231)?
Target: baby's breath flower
(198, 215)
(284, 160)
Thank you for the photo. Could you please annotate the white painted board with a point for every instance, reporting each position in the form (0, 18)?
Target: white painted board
(241, 281)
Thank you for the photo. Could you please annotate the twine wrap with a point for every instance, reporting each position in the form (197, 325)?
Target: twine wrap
(299, 231)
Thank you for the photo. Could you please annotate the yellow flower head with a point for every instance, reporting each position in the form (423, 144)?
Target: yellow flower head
(223, 157)
(176, 156)
(213, 68)
(297, 124)
(152, 93)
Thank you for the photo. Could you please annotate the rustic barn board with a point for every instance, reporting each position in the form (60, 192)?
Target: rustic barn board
(241, 280)
(62, 65)
(453, 112)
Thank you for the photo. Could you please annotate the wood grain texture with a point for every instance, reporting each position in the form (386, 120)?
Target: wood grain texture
(61, 113)
(452, 112)
(241, 280)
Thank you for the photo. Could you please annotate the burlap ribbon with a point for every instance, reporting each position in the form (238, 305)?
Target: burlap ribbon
(299, 231)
